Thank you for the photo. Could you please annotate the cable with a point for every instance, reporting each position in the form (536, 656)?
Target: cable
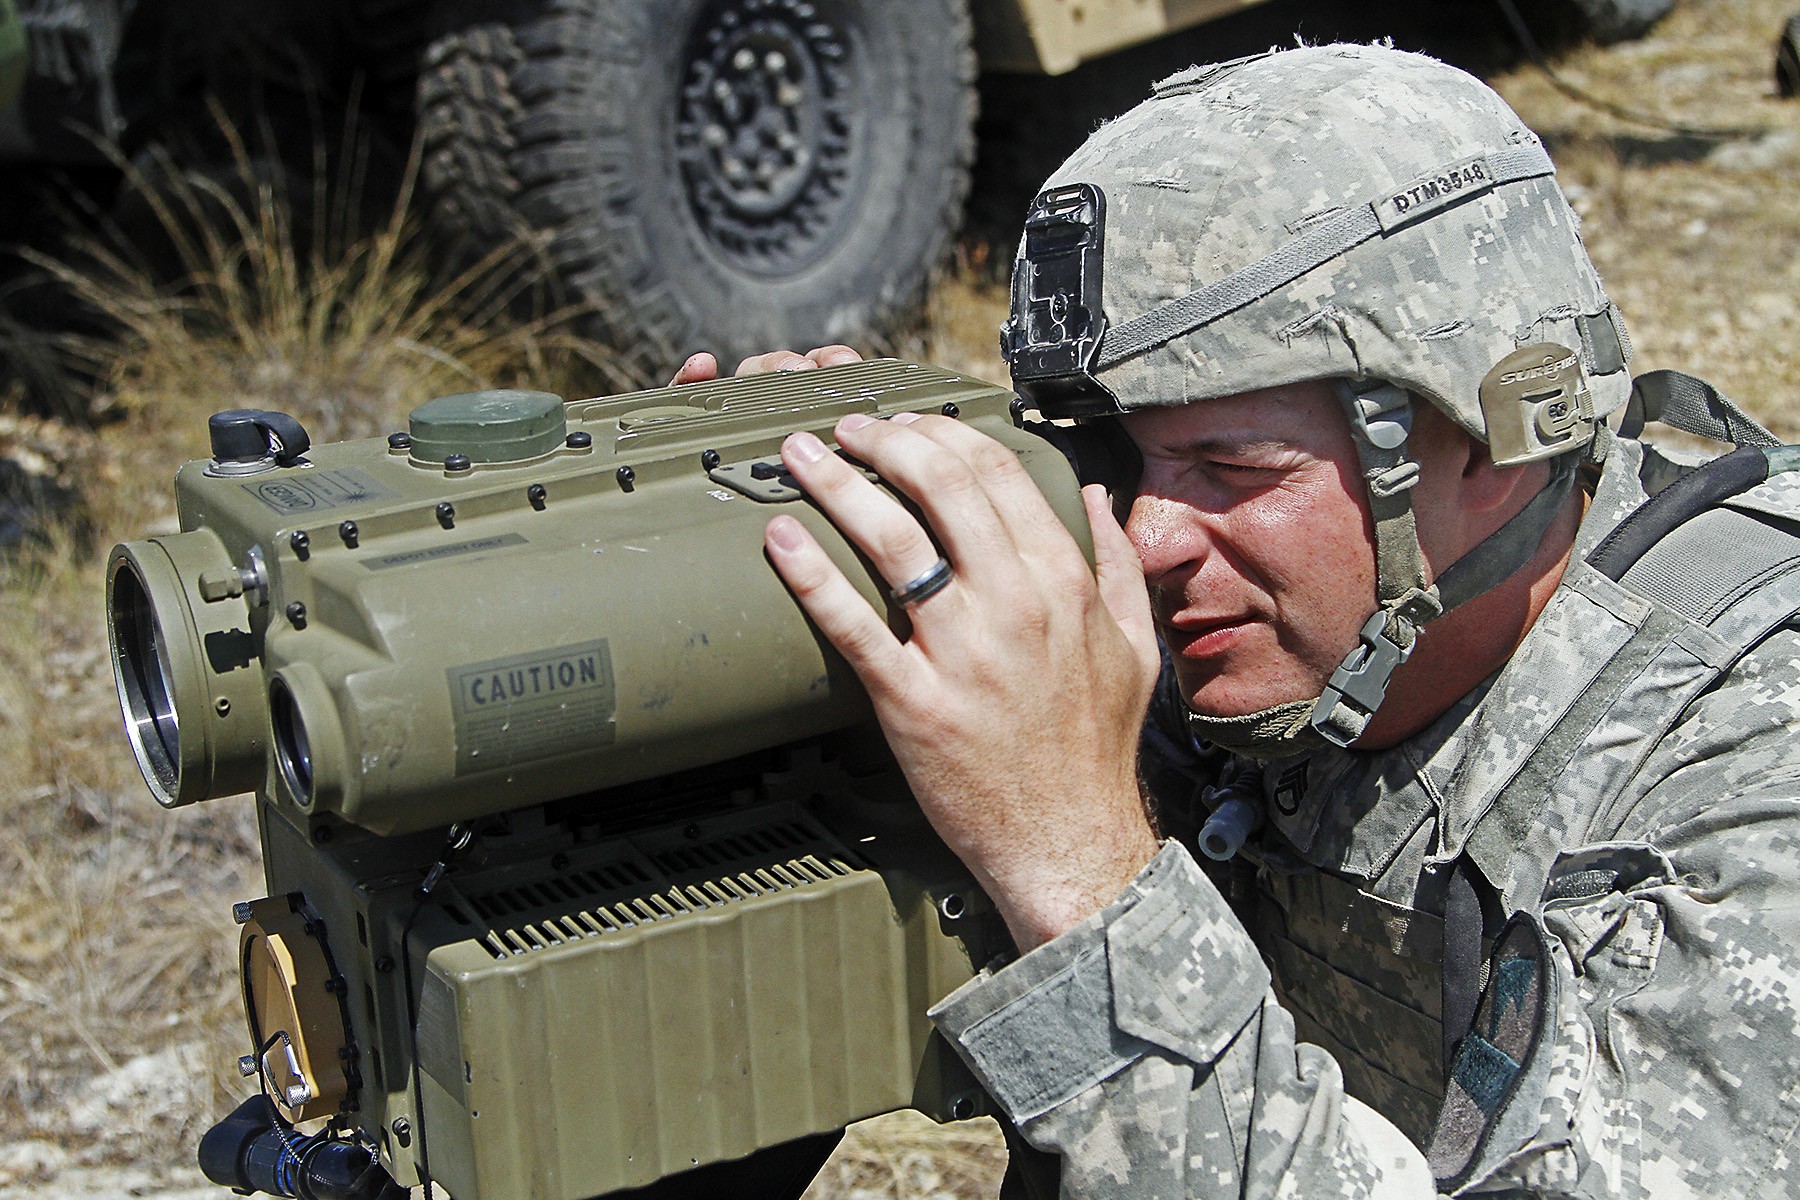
(1534, 52)
(456, 842)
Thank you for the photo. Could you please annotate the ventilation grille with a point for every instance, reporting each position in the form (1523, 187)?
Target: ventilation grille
(671, 880)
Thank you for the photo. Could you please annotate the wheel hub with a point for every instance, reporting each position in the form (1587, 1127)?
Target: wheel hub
(764, 130)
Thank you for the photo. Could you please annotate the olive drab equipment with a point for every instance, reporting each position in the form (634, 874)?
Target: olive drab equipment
(587, 866)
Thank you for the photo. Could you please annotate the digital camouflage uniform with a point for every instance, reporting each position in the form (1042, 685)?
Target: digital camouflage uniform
(1626, 788)
(1168, 1047)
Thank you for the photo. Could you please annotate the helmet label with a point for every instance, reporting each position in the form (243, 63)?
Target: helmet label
(1429, 193)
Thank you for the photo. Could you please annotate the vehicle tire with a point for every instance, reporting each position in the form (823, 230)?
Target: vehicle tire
(1609, 21)
(1787, 59)
(732, 175)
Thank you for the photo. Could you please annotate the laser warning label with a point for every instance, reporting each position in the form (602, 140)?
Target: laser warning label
(315, 491)
(511, 711)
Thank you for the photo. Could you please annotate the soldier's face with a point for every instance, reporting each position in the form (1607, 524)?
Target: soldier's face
(1253, 525)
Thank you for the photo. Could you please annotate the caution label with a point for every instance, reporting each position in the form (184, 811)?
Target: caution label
(530, 707)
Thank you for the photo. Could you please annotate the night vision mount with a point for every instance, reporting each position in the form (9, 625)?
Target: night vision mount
(1053, 335)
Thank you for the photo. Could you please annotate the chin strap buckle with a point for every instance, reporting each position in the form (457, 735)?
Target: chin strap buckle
(1382, 416)
(1358, 685)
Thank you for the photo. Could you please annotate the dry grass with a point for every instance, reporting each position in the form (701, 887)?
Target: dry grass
(116, 989)
(118, 997)
(1698, 241)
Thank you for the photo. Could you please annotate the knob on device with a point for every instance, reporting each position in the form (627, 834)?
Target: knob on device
(246, 440)
(494, 426)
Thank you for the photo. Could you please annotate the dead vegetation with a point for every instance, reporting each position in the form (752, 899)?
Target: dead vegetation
(118, 1004)
(118, 993)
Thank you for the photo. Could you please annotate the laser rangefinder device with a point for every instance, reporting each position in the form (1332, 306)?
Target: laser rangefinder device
(588, 869)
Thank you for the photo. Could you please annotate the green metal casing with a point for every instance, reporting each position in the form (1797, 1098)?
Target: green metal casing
(700, 914)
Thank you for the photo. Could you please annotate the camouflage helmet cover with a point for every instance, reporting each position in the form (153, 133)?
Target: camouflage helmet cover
(1462, 249)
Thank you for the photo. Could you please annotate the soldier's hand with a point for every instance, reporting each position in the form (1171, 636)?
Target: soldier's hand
(1014, 706)
(699, 368)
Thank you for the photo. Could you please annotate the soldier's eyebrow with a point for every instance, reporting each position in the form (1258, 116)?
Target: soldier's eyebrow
(1230, 446)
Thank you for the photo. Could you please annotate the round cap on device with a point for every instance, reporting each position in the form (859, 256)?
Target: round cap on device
(238, 436)
(497, 425)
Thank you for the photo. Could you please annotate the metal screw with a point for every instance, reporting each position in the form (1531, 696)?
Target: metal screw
(579, 440)
(537, 495)
(296, 614)
(298, 1094)
(402, 1130)
(950, 409)
(446, 514)
(457, 462)
(400, 441)
(348, 531)
(385, 964)
(240, 912)
(627, 478)
(247, 1065)
(222, 706)
(301, 543)
(1017, 410)
(709, 459)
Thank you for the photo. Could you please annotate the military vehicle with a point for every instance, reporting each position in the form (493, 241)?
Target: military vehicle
(728, 174)
(587, 867)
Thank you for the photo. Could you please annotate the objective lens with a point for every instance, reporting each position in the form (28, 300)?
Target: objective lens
(293, 750)
(141, 666)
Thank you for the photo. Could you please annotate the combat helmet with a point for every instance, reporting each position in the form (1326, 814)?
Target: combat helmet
(1352, 213)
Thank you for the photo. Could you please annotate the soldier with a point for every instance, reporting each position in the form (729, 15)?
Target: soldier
(1519, 916)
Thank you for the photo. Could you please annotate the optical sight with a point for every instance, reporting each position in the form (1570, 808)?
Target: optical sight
(587, 867)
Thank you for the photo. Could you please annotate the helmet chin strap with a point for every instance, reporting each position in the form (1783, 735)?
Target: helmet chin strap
(1380, 422)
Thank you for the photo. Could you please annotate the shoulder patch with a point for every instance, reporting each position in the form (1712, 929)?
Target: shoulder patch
(1508, 1025)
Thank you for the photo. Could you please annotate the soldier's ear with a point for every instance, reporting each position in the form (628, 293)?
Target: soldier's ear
(1466, 466)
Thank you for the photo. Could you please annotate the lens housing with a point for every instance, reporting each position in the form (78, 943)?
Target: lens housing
(293, 749)
(307, 739)
(146, 687)
(187, 670)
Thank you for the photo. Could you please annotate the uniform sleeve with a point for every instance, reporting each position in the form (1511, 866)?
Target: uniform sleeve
(1637, 1037)
(1146, 1049)
(1639, 1034)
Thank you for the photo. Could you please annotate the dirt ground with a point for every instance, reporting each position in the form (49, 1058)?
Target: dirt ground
(118, 1017)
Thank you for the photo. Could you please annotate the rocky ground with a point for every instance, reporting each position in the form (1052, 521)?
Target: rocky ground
(117, 1009)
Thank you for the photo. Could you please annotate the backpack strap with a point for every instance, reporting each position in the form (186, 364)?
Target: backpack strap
(1691, 405)
(1751, 585)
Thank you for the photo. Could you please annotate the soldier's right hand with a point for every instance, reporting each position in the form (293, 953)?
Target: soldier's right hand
(702, 367)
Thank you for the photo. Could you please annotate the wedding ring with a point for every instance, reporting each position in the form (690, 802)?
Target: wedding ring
(927, 585)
